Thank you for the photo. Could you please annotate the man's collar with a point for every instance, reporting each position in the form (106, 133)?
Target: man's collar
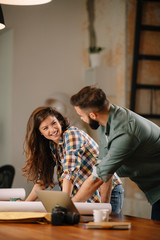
(112, 107)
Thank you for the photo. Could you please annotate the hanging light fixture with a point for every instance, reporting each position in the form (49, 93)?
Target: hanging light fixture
(2, 24)
(24, 2)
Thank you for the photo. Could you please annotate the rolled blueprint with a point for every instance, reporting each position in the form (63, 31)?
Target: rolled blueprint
(37, 206)
(7, 193)
(7, 206)
(85, 208)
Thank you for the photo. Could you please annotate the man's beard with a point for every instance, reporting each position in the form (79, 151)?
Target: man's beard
(93, 123)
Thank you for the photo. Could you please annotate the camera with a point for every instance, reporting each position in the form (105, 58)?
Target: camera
(60, 216)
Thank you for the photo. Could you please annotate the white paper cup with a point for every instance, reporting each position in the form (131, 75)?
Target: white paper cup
(100, 215)
(105, 213)
(97, 215)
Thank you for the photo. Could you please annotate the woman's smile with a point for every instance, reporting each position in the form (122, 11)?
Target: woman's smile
(51, 129)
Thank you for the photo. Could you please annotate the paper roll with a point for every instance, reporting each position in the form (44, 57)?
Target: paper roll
(7, 193)
(6, 206)
(37, 206)
(87, 208)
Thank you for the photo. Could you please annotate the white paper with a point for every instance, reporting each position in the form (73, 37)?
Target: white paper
(37, 206)
(7, 193)
(7, 206)
(85, 208)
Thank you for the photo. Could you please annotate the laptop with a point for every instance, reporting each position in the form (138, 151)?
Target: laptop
(51, 198)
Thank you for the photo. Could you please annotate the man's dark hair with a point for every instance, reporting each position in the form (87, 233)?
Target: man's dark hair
(90, 98)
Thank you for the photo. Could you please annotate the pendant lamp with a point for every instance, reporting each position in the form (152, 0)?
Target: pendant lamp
(24, 2)
(2, 25)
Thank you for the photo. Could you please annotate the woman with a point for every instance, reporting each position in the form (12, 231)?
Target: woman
(50, 142)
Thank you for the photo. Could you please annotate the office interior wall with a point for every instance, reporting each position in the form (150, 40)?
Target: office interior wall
(6, 62)
(50, 54)
(149, 71)
(46, 59)
(49, 44)
(110, 29)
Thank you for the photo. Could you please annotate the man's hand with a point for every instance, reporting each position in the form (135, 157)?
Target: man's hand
(105, 191)
(87, 189)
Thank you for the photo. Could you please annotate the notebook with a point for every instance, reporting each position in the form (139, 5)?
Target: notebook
(107, 225)
(51, 198)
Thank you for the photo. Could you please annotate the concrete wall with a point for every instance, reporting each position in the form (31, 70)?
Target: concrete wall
(47, 58)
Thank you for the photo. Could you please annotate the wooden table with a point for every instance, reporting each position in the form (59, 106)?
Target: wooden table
(140, 229)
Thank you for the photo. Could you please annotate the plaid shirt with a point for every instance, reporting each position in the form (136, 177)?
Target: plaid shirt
(75, 157)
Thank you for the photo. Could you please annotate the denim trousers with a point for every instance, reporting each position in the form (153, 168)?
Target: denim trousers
(117, 197)
(156, 211)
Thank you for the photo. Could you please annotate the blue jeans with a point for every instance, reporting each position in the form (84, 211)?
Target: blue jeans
(117, 197)
(156, 211)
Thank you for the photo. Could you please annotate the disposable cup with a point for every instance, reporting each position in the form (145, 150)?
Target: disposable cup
(100, 215)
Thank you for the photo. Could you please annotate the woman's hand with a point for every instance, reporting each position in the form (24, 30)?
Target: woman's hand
(67, 186)
(38, 186)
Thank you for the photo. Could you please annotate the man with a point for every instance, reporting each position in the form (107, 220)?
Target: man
(129, 146)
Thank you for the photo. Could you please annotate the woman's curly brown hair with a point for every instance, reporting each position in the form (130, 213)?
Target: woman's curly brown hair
(39, 160)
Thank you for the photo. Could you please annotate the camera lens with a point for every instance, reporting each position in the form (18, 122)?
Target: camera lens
(60, 216)
(72, 218)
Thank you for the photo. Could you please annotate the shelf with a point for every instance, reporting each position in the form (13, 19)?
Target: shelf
(148, 86)
(138, 57)
(150, 28)
(150, 0)
(149, 57)
(153, 116)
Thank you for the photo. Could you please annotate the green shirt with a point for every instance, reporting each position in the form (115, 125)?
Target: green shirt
(132, 150)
